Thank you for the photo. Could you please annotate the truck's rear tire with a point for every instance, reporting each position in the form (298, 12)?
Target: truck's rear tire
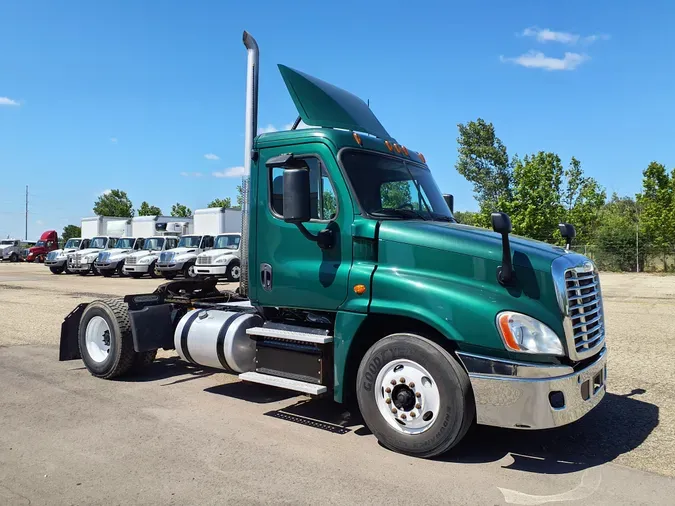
(104, 338)
(429, 406)
(57, 270)
(233, 271)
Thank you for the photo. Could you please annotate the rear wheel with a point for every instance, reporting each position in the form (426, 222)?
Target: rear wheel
(233, 271)
(414, 396)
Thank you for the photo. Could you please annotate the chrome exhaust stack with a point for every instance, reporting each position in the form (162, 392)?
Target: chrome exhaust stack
(249, 134)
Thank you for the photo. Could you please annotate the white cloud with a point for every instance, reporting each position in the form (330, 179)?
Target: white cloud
(39, 222)
(104, 192)
(231, 172)
(211, 156)
(545, 35)
(538, 60)
(266, 130)
(8, 101)
(113, 140)
(191, 174)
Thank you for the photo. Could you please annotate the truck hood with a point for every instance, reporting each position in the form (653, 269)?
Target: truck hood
(471, 241)
(217, 253)
(36, 250)
(5, 246)
(144, 253)
(88, 251)
(118, 251)
(183, 251)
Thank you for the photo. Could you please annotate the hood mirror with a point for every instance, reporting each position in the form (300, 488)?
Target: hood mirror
(568, 232)
(501, 223)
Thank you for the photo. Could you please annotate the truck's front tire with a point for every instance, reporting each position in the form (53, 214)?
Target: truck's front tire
(104, 338)
(13, 257)
(414, 396)
(153, 271)
(233, 271)
(57, 270)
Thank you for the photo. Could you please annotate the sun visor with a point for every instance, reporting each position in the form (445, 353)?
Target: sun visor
(321, 104)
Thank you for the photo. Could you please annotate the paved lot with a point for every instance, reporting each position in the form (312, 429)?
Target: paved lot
(182, 435)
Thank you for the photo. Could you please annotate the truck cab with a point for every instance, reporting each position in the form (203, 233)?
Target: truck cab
(357, 283)
(223, 260)
(182, 258)
(57, 260)
(83, 261)
(112, 260)
(48, 241)
(144, 261)
(10, 249)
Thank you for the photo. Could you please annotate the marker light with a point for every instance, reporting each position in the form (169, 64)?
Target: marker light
(388, 144)
(397, 148)
(422, 157)
(357, 138)
(359, 289)
(524, 334)
(405, 150)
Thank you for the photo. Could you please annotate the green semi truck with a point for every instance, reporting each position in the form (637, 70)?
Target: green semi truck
(358, 283)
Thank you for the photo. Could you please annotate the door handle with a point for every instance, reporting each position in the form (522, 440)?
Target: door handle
(266, 277)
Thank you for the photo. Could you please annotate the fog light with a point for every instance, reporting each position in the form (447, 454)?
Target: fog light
(557, 399)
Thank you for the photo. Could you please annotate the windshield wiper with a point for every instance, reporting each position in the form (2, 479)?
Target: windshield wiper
(442, 217)
(400, 213)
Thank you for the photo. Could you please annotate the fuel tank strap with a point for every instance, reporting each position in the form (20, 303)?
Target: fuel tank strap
(184, 335)
(220, 341)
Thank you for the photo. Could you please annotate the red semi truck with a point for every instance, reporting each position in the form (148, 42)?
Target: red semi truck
(49, 241)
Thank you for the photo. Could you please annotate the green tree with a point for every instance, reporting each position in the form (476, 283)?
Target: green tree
(114, 203)
(395, 194)
(70, 231)
(657, 202)
(583, 200)
(329, 204)
(616, 236)
(240, 197)
(483, 160)
(468, 218)
(148, 210)
(226, 203)
(180, 211)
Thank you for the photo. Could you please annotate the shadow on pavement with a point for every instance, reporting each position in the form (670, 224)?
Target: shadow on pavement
(260, 394)
(167, 368)
(619, 424)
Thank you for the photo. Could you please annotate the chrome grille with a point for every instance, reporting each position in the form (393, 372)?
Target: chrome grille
(52, 255)
(166, 257)
(131, 260)
(205, 260)
(103, 256)
(77, 259)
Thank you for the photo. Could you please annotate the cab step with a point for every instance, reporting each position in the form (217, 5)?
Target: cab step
(292, 333)
(286, 383)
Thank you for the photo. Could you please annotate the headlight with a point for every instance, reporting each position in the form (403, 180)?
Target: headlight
(145, 260)
(222, 259)
(524, 334)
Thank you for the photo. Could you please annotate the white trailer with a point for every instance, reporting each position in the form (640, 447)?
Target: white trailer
(113, 226)
(217, 220)
(149, 226)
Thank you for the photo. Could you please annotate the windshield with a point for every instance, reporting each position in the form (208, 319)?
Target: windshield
(98, 242)
(189, 241)
(127, 243)
(73, 243)
(388, 187)
(7, 242)
(154, 243)
(227, 242)
(40, 243)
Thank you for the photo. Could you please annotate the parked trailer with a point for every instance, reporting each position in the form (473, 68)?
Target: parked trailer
(349, 292)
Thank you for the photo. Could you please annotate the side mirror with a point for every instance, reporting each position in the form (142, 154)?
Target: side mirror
(501, 223)
(568, 232)
(296, 196)
(450, 200)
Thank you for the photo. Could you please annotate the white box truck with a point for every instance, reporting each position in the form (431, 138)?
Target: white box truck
(208, 223)
(223, 260)
(57, 260)
(104, 232)
(165, 237)
(10, 249)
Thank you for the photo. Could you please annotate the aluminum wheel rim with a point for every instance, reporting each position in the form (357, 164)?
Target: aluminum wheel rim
(191, 271)
(398, 380)
(97, 337)
(236, 271)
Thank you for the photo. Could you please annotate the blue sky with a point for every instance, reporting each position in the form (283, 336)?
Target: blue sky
(134, 94)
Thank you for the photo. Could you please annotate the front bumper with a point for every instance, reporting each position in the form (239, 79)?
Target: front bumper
(530, 396)
(55, 263)
(142, 268)
(105, 266)
(79, 267)
(170, 267)
(213, 270)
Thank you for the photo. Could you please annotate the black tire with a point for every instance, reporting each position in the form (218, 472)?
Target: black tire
(120, 269)
(143, 360)
(107, 273)
(13, 257)
(57, 270)
(231, 273)
(152, 270)
(457, 407)
(94, 270)
(186, 271)
(169, 274)
(121, 355)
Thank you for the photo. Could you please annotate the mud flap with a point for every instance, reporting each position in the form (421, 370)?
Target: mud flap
(152, 327)
(69, 348)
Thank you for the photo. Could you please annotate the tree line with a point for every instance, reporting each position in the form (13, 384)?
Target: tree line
(538, 191)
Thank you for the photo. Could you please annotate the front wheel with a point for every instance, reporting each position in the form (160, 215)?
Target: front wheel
(414, 396)
(233, 271)
(153, 270)
(189, 271)
(57, 270)
(14, 257)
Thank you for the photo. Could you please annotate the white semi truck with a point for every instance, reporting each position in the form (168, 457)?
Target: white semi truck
(57, 260)
(208, 223)
(223, 260)
(10, 249)
(164, 236)
(104, 231)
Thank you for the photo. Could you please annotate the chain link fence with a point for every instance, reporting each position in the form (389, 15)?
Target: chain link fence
(630, 256)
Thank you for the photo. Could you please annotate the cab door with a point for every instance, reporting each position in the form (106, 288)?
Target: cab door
(290, 270)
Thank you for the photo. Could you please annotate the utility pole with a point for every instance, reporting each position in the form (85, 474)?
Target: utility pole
(26, 237)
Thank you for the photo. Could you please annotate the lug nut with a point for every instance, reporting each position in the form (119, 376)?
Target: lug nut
(393, 382)
(413, 415)
(394, 410)
(402, 380)
(388, 390)
(411, 384)
(388, 401)
(418, 395)
(403, 417)
(418, 406)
